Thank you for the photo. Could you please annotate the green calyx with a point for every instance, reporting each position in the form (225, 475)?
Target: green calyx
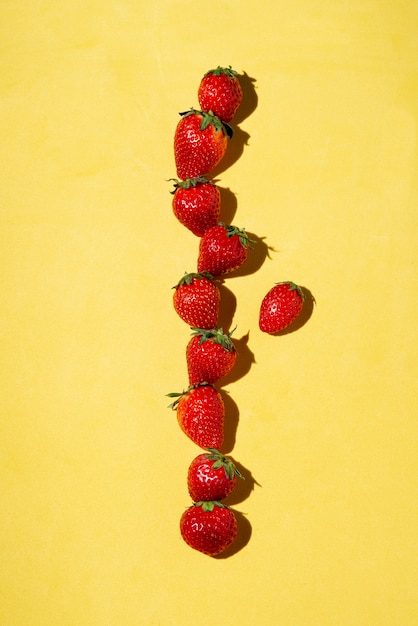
(189, 182)
(209, 118)
(215, 335)
(228, 71)
(231, 231)
(187, 279)
(209, 505)
(178, 395)
(293, 287)
(223, 461)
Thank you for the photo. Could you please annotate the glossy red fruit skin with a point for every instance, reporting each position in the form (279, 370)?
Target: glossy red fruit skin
(206, 482)
(210, 532)
(197, 204)
(220, 91)
(208, 361)
(196, 300)
(221, 253)
(201, 416)
(197, 152)
(280, 307)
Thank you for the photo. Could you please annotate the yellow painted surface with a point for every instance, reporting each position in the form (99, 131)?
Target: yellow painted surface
(322, 170)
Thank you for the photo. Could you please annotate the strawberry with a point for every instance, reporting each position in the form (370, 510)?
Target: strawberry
(210, 355)
(280, 307)
(220, 92)
(200, 414)
(200, 142)
(196, 203)
(222, 249)
(209, 527)
(211, 476)
(196, 300)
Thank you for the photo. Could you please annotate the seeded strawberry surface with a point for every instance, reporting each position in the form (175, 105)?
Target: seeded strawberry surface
(208, 530)
(220, 91)
(211, 476)
(201, 414)
(199, 144)
(210, 356)
(222, 249)
(196, 204)
(196, 300)
(280, 307)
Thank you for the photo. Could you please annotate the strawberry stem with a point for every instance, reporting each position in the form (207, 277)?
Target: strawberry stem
(293, 287)
(216, 335)
(189, 182)
(209, 505)
(231, 231)
(228, 71)
(179, 395)
(208, 118)
(223, 461)
(188, 278)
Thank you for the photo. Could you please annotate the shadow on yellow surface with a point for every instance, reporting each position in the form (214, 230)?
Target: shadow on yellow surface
(228, 204)
(227, 308)
(245, 359)
(231, 421)
(258, 252)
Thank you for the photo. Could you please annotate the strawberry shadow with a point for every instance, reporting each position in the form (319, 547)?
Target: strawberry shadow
(249, 98)
(228, 205)
(257, 254)
(243, 536)
(231, 422)
(244, 486)
(304, 317)
(227, 307)
(245, 359)
(234, 151)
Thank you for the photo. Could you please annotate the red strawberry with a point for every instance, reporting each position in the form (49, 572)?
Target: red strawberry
(222, 249)
(220, 92)
(209, 527)
(280, 307)
(200, 142)
(196, 300)
(196, 204)
(211, 476)
(210, 355)
(201, 414)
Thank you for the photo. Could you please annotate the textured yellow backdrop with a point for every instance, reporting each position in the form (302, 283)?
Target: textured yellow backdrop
(322, 170)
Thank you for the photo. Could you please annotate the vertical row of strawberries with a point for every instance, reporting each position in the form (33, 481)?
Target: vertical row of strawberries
(201, 140)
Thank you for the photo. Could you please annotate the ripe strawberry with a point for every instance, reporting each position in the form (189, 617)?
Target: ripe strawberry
(209, 527)
(280, 307)
(196, 204)
(200, 414)
(200, 142)
(211, 476)
(220, 92)
(210, 355)
(222, 249)
(196, 300)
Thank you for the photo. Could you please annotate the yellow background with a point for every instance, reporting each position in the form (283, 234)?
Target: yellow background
(323, 171)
